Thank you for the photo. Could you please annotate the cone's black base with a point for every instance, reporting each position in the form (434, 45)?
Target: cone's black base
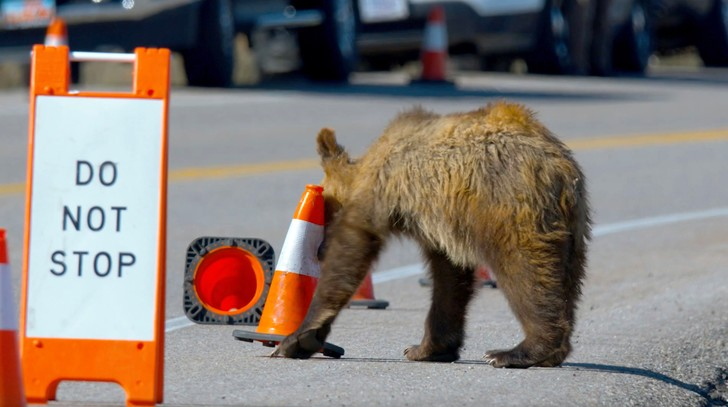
(490, 283)
(272, 340)
(430, 82)
(371, 304)
(426, 282)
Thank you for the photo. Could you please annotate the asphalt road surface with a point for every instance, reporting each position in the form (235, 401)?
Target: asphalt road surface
(652, 327)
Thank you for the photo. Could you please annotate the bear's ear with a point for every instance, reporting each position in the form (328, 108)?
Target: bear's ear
(327, 146)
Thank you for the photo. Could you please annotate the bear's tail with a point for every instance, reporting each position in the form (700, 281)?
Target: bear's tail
(575, 208)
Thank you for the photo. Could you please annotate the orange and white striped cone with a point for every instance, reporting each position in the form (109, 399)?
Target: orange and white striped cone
(485, 277)
(56, 34)
(11, 381)
(227, 279)
(433, 56)
(364, 296)
(296, 276)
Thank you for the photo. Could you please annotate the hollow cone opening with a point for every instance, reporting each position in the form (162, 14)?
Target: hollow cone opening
(229, 280)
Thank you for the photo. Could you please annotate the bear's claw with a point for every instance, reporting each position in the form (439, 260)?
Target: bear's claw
(299, 346)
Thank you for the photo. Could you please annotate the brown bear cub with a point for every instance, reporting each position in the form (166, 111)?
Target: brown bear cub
(491, 186)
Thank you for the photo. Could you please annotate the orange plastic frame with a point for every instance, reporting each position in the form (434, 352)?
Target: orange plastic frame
(137, 366)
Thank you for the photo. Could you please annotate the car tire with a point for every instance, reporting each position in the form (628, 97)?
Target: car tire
(634, 42)
(328, 51)
(713, 35)
(210, 62)
(603, 33)
(564, 39)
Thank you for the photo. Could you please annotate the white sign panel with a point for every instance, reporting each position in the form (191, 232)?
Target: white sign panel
(372, 11)
(94, 232)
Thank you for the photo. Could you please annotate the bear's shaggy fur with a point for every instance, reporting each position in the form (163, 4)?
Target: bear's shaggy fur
(491, 186)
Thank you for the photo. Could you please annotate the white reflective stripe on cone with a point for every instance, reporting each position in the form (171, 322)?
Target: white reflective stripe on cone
(300, 249)
(8, 312)
(435, 38)
(55, 41)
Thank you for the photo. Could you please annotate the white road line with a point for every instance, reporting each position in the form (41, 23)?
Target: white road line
(177, 323)
(398, 273)
(611, 228)
(600, 230)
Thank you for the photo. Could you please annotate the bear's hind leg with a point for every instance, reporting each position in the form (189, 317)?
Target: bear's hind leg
(452, 289)
(539, 301)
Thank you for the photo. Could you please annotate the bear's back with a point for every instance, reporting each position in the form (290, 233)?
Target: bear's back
(430, 169)
(500, 138)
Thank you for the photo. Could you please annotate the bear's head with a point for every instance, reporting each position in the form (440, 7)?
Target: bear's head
(339, 171)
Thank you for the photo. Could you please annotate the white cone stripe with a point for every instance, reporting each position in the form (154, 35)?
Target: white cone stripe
(300, 249)
(8, 313)
(54, 40)
(435, 38)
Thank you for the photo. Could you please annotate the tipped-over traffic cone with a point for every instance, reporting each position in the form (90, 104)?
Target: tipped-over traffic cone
(434, 48)
(296, 276)
(11, 381)
(227, 279)
(364, 296)
(56, 34)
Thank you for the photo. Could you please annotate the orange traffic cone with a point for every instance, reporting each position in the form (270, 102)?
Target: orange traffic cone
(485, 277)
(227, 279)
(364, 296)
(296, 276)
(434, 48)
(56, 34)
(11, 382)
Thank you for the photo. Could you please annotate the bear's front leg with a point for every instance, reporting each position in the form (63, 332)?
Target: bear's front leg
(303, 343)
(351, 249)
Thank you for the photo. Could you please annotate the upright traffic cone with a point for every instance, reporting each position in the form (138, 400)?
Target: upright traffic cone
(364, 296)
(296, 276)
(485, 277)
(56, 34)
(434, 48)
(11, 381)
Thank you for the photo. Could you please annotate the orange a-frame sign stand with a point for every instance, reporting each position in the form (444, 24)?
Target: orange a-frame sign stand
(95, 313)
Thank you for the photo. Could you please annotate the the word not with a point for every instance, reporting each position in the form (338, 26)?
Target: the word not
(95, 218)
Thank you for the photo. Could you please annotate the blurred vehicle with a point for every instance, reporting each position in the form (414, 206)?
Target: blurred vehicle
(699, 23)
(323, 31)
(202, 31)
(553, 36)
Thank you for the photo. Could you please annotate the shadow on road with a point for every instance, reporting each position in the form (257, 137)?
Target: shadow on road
(636, 371)
(701, 76)
(703, 392)
(436, 91)
(367, 85)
